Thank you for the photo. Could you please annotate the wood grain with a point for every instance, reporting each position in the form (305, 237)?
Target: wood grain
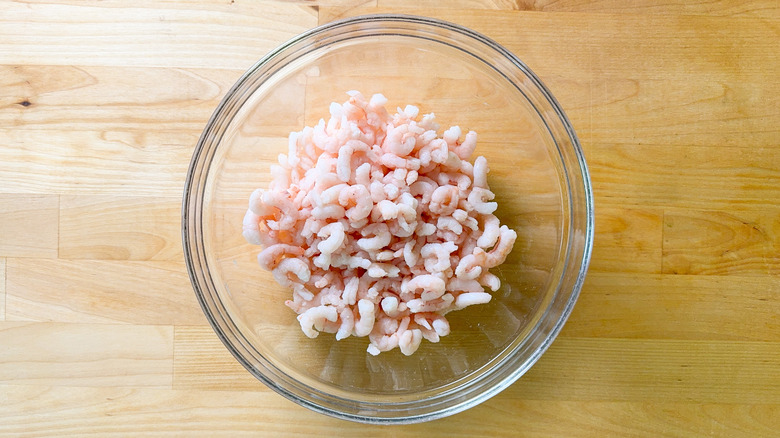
(120, 228)
(86, 354)
(174, 34)
(704, 178)
(201, 361)
(95, 162)
(722, 242)
(47, 97)
(630, 240)
(86, 291)
(29, 225)
(698, 307)
(573, 369)
(676, 104)
(151, 412)
(2, 289)
(654, 370)
(753, 8)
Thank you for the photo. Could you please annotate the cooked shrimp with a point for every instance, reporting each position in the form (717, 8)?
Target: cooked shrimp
(270, 257)
(379, 225)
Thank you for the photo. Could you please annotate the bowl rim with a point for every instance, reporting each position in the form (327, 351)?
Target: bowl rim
(587, 200)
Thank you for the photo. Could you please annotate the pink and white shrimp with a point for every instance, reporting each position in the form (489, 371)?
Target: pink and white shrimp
(379, 225)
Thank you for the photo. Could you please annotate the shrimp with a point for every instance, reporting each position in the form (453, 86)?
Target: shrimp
(478, 199)
(314, 318)
(437, 256)
(465, 149)
(490, 232)
(498, 254)
(430, 287)
(270, 257)
(291, 266)
(344, 161)
(480, 172)
(399, 141)
(335, 237)
(444, 200)
(347, 324)
(379, 225)
(365, 323)
(472, 298)
(358, 199)
(251, 228)
(380, 237)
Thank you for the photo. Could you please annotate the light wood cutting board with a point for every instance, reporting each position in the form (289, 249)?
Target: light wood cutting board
(677, 105)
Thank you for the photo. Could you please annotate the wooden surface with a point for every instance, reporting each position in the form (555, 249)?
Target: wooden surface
(677, 105)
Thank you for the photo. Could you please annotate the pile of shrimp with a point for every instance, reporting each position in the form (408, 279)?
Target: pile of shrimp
(379, 226)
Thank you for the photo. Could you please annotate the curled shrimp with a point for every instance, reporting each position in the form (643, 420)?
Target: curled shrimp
(498, 254)
(478, 200)
(470, 267)
(358, 202)
(399, 141)
(344, 161)
(251, 228)
(427, 287)
(270, 257)
(490, 233)
(465, 149)
(335, 237)
(365, 322)
(437, 256)
(291, 270)
(347, 325)
(376, 237)
(313, 320)
(444, 200)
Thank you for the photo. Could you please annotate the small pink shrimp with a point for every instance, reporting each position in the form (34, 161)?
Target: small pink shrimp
(344, 161)
(478, 199)
(463, 285)
(437, 256)
(409, 341)
(439, 151)
(449, 223)
(270, 257)
(452, 135)
(358, 202)
(351, 285)
(365, 323)
(417, 305)
(472, 298)
(399, 141)
(334, 234)
(251, 228)
(490, 233)
(465, 149)
(444, 200)
(427, 287)
(498, 254)
(291, 270)
(480, 172)
(379, 237)
(432, 326)
(490, 281)
(469, 267)
(347, 325)
(313, 319)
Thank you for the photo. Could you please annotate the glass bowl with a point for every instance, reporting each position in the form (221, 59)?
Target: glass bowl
(537, 172)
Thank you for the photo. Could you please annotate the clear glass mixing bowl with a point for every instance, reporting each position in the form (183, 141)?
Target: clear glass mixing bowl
(537, 171)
